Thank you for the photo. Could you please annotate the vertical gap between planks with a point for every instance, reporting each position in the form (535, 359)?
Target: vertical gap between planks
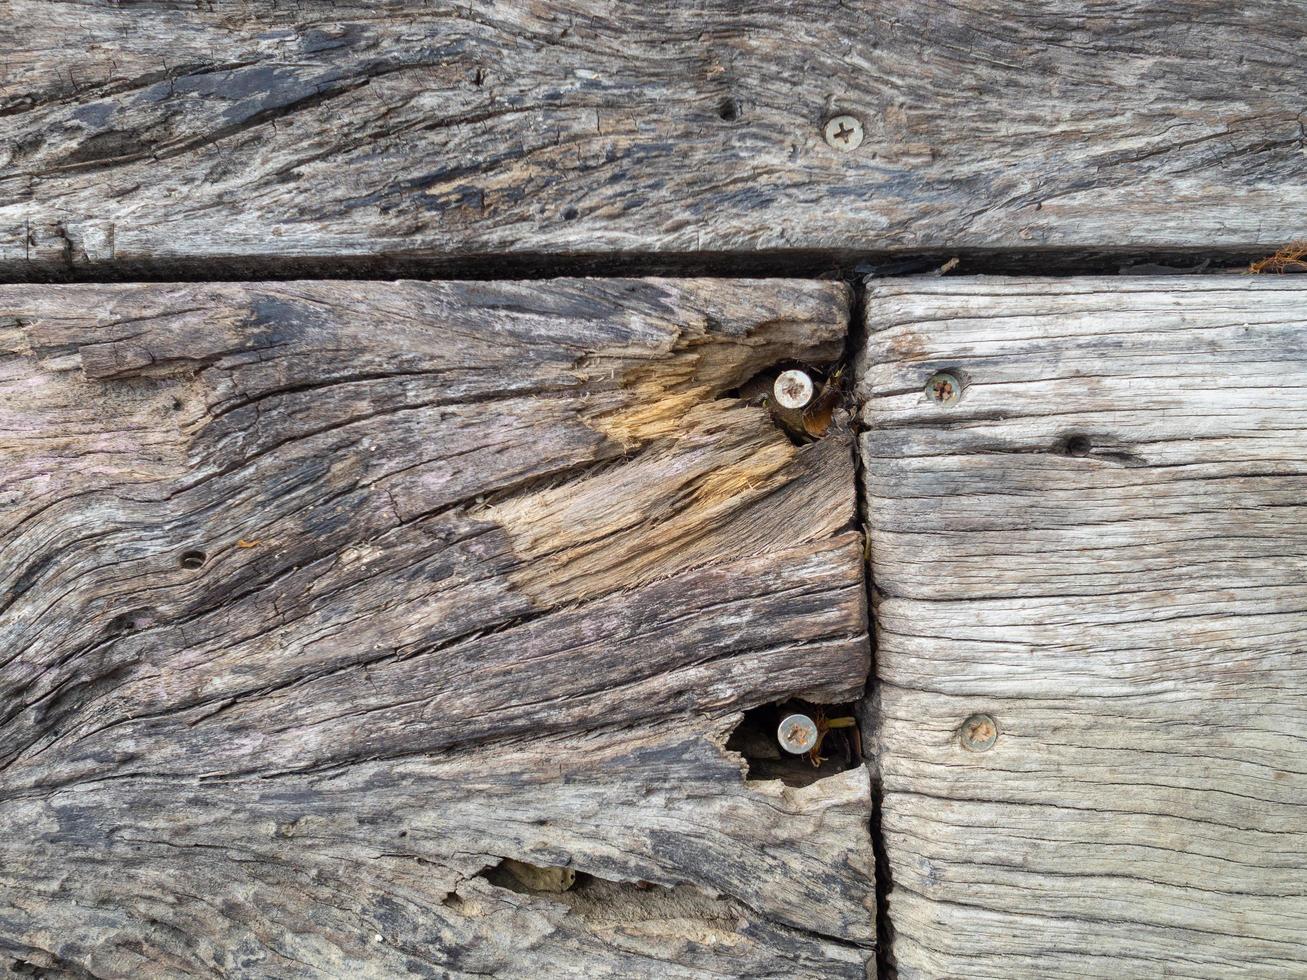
(868, 710)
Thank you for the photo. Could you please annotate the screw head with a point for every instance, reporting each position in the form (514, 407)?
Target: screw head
(793, 389)
(944, 389)
(978, 733)
(797, 734)
(843, 132)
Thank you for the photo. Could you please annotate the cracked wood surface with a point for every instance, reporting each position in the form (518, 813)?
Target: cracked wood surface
(169, 132)
(486, 575)
(1133, 617)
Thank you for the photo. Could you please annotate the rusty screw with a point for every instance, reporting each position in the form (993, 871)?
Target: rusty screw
(843, 132)
(793, 389)
(944, 389)
(797, 734)
(979, 733)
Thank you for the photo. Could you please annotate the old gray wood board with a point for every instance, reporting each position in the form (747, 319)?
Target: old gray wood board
(1133, 618)
(143, 133)
(327, 602)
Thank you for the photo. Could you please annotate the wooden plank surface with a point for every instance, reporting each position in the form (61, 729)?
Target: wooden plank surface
(346, 623)
(140, 134)
(1103, 547)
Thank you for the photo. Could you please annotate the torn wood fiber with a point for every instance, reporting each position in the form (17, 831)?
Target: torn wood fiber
(333, 606)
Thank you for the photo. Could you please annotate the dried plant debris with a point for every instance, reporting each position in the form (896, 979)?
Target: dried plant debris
(1291, 258)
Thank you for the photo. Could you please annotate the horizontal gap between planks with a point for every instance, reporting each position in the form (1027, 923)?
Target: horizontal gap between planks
(762, 264)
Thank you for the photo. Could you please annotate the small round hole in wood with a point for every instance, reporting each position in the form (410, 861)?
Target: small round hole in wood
(729, 109)
(1079, 446)
(192, 559)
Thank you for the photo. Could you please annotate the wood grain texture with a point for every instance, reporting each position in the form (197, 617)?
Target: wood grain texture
(153, 132)
(1134, 618)
(486, 575)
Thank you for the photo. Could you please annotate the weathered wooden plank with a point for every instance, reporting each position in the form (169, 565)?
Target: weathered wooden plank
(145, 133)
(325, 603)
(1102, 546)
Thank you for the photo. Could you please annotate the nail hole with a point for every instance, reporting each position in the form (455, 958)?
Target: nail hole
(130, 622)
(729, 109)
(569, 214)
(1078, 446)
(192, 559)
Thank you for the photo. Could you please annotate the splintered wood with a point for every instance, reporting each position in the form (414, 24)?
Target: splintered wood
(1091, 619)
(389, 629)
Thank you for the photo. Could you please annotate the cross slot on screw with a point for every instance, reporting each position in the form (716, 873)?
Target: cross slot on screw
(843, 132)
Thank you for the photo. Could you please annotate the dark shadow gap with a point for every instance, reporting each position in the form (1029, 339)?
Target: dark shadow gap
(807, 264)
(868, 709)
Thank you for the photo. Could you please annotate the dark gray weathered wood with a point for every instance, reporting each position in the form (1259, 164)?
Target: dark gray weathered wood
(153, 132)
(345, 622)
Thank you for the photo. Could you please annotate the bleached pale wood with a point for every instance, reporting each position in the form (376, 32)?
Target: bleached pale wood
(490, 572)
(1135, 619)
(138, 134)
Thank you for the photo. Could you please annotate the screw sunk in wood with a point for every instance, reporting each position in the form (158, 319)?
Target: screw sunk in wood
(793, 389)
(978, 733)
(944, 389)
(843, 132)
(797, 734)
